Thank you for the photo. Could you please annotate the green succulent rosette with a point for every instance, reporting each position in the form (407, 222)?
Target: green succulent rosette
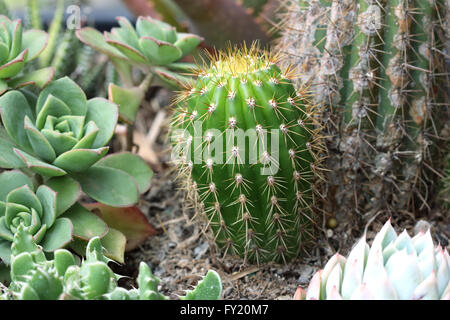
(152, 42)
(34, 209)
(36, 277)
(61, 133)
(18, 47)
(154, 47)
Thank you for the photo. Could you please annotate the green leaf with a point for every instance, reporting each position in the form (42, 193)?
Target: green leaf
(39, 166)
(132, 164)
(97, 280)
(47, 197)
(109, 186)
(148, 284)
(8, 158)
(61, 142)
(22, 264)
(147, 26)
(58, 236)
(171, 80)
(4, 53)
(127, 32)
(210, 288)
(104, 114)
(63, 259)
(35, 41)
(5, 232)
(187, 42)
(41, 147)
(68, 192)
(3, 86)
(11, 180)
(128, 101)
(16, 43)
(86, 225)
(131, 53)
(24, 196)
(114, 243)
(87, 141)
(28, 293)
(53, 106)
(14, 107)
(13, 67)
(95, 39)
(69, 92)
(129, 221)
(5, 251)
(39, 78)
(78, 160)
(159, 52)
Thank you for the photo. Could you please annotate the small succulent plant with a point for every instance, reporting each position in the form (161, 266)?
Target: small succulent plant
(17, 48)
(34, 277)
(257, 196)
(22, 205)
(55, 219)
(153, 46)
(395, 267)
(61, 133)
(153, 42)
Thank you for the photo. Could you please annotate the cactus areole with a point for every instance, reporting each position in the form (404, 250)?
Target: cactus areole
(243, 139)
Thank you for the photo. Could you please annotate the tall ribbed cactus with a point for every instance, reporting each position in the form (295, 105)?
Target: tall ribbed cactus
(377, 70)
(246, 145)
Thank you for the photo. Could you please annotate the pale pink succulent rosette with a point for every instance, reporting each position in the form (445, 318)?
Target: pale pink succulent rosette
(395, 267)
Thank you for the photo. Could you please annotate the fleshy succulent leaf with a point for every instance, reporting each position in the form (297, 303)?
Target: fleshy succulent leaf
(209, 288)
(129, 221)
(68, 190)
(58, 236)
(35, 42)
(109, 186)
(128, 100)
(86, 225)
(132, 164)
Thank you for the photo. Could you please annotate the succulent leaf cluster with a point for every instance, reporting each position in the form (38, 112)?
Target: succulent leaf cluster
(34, 277)
(18, 48)
(153, 46)
(258, 198)
(59, 140)
(394, 267)
(35, 209)
(61, 133)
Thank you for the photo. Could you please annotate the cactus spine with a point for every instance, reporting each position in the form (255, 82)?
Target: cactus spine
(377, 70)
(258, 198)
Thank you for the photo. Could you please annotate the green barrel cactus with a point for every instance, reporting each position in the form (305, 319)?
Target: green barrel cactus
(395, 267)
(245, 142)
(377, 70)
(35, 277)
(17, 48)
